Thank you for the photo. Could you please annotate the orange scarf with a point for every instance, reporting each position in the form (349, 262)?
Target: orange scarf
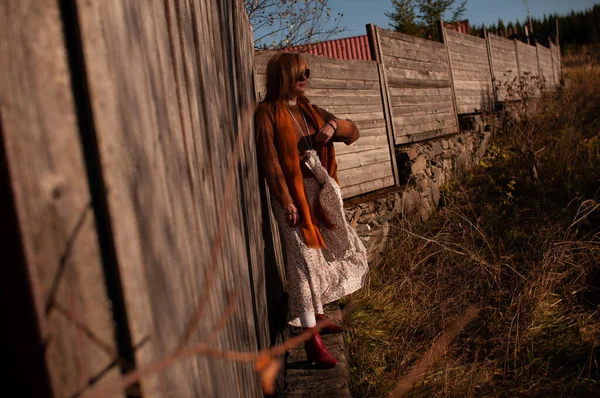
(287, 148)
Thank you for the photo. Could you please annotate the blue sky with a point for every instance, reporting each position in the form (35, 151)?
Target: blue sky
(358, 13)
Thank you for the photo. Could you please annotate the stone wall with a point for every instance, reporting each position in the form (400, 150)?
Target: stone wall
(425, 167)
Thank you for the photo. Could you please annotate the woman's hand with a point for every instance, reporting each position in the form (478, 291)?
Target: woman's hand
(326, 132)
(291, 212)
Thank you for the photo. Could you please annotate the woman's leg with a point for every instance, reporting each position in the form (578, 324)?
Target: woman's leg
(308, 320)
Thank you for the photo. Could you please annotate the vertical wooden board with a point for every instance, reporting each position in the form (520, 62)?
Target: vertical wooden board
(249, 170)
(240, 332)
(165, 129)
(52, 198)
(450, 73)
(143, 158)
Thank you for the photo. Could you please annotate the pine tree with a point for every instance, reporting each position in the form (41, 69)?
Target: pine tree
(421, 17)
(404, 17)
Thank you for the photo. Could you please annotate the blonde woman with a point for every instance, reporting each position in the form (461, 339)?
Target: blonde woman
(325, 259)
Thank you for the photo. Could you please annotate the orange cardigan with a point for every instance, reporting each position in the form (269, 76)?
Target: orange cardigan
(268, 159)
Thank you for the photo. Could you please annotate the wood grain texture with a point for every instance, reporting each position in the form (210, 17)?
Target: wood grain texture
(52, 197)
(419, 82)
(167, 120)
(369, 186)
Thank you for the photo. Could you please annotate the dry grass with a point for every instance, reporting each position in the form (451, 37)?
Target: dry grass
(524, 248)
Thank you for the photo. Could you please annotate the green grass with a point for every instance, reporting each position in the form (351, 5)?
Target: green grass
(524, 246)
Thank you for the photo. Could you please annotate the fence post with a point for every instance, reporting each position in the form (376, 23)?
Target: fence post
(537, 55)
(377, 55)
(490, 56)
(560, 70)
(552, 62)
(445, 41)
(517, 55)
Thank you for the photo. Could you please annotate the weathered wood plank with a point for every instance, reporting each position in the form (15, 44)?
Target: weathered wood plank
(365, 158)
(369, 124)
(425, 135)
(365, 187)
(330, 92)
(419, 92)
(422, 109)
(366, 132)
(417, 83)
(362, 144)
(362, 174)
(167, 184)
(455, 36)
(416, 74)
(352, 109)
(385, 33)
(399, 62)
(424, 118)
(346, 84)
(49, 184)
(328, 101)
(402, 130)
(416, 100)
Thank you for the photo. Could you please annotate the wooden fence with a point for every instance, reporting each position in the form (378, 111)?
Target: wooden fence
(129, 155)
(419, 86)
(414, 90)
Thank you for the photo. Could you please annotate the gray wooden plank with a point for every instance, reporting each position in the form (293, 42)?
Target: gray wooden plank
(155, 198)
(362, 144)
(366, 173)
(365, 187)
(49, 183)
(399, 62)
(364, 158)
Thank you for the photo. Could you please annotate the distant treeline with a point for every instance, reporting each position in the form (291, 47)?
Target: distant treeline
(575, 29)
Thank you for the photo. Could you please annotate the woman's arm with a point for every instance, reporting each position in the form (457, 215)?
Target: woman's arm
(343, 130)
(268, 159)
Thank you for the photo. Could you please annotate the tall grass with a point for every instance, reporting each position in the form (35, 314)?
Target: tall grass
(524, 247)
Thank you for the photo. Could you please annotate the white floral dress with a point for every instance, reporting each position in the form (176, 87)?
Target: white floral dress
(316, 277)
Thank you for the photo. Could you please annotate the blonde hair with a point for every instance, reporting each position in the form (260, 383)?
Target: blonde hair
(283, 70)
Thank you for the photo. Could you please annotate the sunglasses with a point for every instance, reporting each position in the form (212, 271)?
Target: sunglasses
(305, 74)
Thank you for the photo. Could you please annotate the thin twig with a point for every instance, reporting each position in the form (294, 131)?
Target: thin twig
(194, 350)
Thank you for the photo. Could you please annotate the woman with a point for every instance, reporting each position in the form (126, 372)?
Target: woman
(325, 259)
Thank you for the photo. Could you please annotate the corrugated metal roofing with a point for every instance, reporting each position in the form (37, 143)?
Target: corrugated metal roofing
(348, 48)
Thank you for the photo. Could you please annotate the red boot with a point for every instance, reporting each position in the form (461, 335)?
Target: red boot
(331, 328)
(317, 353)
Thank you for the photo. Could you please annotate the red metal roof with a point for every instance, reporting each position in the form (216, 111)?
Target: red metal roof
(460, 26)
(348, 48)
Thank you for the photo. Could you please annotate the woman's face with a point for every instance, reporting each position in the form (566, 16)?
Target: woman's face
(299, 85)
